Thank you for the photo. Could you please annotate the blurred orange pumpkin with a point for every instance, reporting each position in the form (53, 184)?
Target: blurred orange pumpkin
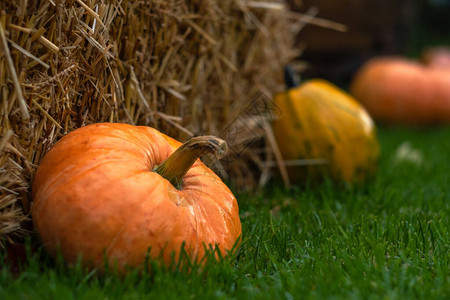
(96, 194)
(402, 91)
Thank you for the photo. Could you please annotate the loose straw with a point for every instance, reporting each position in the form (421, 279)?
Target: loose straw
(15, 79)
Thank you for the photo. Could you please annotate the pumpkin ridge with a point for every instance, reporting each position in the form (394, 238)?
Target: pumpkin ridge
(122, 135)
(206, 224)
(122, 228)
(68, 178)
(225, 210)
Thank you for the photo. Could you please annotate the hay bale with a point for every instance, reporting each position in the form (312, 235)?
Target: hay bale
(183, 67)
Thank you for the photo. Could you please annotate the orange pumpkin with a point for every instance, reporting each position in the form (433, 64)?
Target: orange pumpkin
(97, 194)
(397, 90)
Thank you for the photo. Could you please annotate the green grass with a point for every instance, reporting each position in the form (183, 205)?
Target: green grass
(389, 239)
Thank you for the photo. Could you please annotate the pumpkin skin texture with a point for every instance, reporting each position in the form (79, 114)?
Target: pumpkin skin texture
(400, 91)
(95, 195)
(320, 121)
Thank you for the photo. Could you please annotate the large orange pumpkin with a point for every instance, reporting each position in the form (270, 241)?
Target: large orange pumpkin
(397, 90)
(97, 194)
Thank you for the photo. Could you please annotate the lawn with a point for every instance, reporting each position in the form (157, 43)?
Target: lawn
(388, 239)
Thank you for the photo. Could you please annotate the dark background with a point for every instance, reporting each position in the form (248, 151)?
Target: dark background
(375, 27)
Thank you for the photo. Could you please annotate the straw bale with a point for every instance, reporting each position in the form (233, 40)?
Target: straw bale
(184, 67)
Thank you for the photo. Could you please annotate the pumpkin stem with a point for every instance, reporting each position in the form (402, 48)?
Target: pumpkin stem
(291, 77)
(176, 165)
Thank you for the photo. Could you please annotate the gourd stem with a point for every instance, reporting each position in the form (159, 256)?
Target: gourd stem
(291, 77)
(177, 165)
